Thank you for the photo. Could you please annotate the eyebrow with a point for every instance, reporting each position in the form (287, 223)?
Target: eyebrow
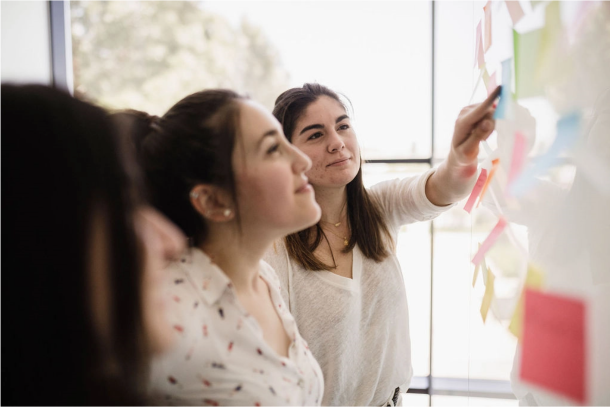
(321, 126)
(269, 133)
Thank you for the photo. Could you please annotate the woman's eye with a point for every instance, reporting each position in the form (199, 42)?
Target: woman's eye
(315, 136)
(273, 149)
(344, 127)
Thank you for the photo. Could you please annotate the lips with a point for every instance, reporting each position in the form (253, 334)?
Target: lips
(339, 161)
(306, 186)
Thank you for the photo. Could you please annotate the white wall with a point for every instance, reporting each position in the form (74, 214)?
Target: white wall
(26, 42)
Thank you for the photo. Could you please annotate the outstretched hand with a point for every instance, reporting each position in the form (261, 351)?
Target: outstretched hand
(454, 178)
(474, 124)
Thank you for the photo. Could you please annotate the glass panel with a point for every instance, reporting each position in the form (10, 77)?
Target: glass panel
(471, 401)
(413, 252)
(411, 399)
(148, 55)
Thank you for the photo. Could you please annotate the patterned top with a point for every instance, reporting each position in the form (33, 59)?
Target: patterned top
(220, 356)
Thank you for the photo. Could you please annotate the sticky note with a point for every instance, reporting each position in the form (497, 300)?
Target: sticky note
(476, 270)
(568, 129)
(553, 354)
(534, 280)
(518, 157)
(526, 47)
(478, 186)
(494, 167)
(492, 84)
(502, 110)
(489, 293)
(515, 10)
(489, 241)
(487, 10)
(547, 69)
(479, 53)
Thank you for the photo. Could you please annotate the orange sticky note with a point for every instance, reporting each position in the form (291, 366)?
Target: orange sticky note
(515, 10)
(488, 296)
(487, 10)
(494, 166)
(553, 354)
(489, 241)
(476, 190)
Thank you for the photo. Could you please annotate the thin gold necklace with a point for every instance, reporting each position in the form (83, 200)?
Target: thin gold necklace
(336, 224)
(345, 241)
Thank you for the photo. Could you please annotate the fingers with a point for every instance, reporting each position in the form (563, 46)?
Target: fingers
(469, 148)
(476, 114)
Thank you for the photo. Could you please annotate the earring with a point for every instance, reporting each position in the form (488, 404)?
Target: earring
(194, 195)
(227, 212)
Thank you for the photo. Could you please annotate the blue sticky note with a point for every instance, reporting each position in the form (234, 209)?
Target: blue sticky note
(568, 128)
(505, 94)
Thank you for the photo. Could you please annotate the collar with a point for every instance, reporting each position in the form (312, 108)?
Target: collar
(209, 280)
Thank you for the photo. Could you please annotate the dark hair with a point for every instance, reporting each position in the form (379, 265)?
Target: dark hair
(191, 144)
(65, 164)
(368, 226)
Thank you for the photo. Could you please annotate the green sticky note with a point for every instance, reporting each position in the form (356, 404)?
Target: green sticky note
(526, 48)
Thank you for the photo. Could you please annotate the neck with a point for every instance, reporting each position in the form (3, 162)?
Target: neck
(332, 201)
(237, 255)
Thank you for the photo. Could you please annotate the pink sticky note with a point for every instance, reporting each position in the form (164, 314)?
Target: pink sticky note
(489, 242)
(487, 10)
(476, 190)
(553, 352)
(492, 84)
(515, 10)
(516, 164)
(480, 54)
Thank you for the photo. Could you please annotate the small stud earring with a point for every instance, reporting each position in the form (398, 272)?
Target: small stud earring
(194, 195)
(227, 212)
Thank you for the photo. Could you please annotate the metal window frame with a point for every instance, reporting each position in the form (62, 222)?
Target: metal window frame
(63, 78)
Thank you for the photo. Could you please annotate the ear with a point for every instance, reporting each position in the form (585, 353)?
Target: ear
(212, 202)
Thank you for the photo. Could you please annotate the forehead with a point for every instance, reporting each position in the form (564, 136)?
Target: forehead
(323, 109)
(255, 120)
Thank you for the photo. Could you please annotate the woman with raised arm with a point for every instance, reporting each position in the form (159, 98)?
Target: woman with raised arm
(341, 277)
(219, 166)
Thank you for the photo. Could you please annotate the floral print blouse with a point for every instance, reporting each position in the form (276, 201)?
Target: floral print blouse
(220, 356)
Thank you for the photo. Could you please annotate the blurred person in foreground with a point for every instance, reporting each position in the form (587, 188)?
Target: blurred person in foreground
(82, 306)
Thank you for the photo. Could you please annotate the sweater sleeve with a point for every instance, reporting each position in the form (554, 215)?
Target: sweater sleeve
(404, 201)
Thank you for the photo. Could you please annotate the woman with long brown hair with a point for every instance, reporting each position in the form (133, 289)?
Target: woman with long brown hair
(341, 277)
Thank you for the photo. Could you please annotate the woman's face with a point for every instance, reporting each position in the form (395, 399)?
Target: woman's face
(274, 195)
(162, 242)
(324, 132)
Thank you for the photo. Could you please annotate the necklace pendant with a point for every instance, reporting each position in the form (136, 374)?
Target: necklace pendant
(345, 241)
(337, 224)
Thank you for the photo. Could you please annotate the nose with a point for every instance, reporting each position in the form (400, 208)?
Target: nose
(301, 162)
(335, 142)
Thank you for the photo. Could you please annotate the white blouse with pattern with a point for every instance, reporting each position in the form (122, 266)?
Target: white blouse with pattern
(220, 356)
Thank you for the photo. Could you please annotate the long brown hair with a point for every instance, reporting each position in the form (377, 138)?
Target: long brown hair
(368, 226)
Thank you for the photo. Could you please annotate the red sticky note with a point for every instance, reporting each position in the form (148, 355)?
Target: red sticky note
(489, 241)
(515, 10)
(516, 164)
(553, 345)
(476, 190)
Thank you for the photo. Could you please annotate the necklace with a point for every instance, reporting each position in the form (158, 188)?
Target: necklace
(345, 241)
(336, 224)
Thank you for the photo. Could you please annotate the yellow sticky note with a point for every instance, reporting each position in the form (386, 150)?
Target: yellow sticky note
(489, 293)
(534, 279)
